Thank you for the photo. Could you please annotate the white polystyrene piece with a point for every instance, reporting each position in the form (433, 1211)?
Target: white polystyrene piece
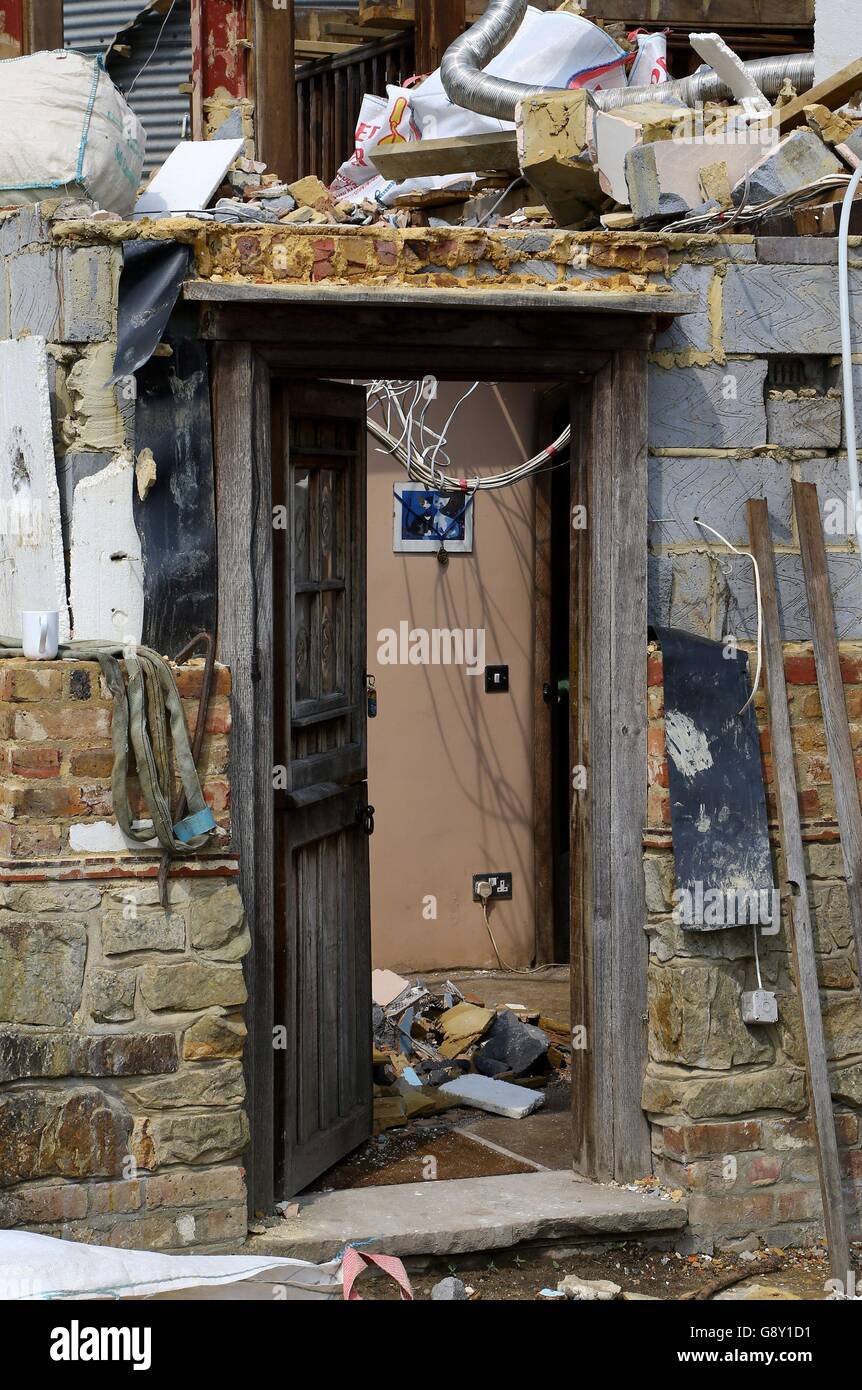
(189, 177)
(731, 69)
(497, 1097)
(32, 570)
(107, 586)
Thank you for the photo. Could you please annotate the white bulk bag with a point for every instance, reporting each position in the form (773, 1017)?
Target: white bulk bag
(66, 129)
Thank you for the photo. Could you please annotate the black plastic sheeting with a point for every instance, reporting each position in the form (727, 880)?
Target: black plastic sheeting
(176, 521)
(153, 274)
(718, 802)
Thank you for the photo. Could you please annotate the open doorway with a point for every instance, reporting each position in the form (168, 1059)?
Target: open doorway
(410, 722)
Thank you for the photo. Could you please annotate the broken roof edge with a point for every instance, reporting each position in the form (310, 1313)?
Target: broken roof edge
(628, 272)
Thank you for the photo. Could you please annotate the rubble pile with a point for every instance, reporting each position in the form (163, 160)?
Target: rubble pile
(435, 1047)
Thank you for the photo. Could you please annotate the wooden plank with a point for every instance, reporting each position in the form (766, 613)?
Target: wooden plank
(274, 88)
(543, 863)
(582, 840)
(795, 892)
(44, 21)
(465, 154)
(831, 686)
(833, 92)
(627, 733)
(608, 685)
(713, 14)
(321, 48)
(438, 24)
(241, 436)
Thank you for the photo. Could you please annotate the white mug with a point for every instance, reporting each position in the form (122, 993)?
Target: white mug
(41, 634)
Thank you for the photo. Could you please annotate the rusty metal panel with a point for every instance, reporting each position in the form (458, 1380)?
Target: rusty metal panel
(11, 28)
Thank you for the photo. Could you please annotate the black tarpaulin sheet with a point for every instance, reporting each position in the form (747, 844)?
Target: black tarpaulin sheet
(153, 273)
(718, 804)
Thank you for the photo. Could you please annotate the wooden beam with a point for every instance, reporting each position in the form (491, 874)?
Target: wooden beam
(44, 25)
(464, 154)
(830, 684)
(543, 859)
(321, 48)
(833, 92)
(241, 415)
(715, 14)
(609, 695)
(275, 89)
(795, 892)
(438, 24)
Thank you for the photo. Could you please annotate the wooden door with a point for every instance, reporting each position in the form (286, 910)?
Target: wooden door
(322, 817)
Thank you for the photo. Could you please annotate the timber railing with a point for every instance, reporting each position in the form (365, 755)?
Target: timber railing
(329, 94)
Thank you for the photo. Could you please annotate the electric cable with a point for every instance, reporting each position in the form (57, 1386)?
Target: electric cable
(744, 554)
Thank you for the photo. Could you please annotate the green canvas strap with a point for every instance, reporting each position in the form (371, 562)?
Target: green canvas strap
(147, 708)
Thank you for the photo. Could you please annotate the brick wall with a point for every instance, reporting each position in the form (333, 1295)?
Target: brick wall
(121, 1027)
(727, 1102)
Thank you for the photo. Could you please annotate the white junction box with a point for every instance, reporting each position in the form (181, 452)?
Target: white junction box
(759, 1006)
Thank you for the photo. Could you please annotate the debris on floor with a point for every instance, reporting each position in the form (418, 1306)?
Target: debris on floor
(435, 1048)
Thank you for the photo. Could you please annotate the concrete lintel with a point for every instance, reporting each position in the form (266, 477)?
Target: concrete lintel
(463, 1215)
(603, 301)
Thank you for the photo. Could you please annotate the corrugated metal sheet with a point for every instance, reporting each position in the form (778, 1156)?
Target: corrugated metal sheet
(156, 97)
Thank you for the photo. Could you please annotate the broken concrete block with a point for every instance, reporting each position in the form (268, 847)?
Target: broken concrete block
(664, 178)
(804, 419)
(510, 1046)
(617, 132)
(553, 134)
(497, 1097)
(799, 159)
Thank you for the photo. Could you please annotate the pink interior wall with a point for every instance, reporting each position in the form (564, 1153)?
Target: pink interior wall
(450, 768)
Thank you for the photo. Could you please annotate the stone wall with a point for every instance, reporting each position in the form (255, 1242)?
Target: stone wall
(728, 1103)
(121, 1027)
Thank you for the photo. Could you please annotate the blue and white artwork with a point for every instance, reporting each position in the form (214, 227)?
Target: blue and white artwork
(426, 518)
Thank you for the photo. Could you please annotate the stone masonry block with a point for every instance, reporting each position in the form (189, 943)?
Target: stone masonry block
(715, 490)
(144, 931)
(34, 294)
(800, 158)
(707, 407)
(695, 1018)
(787, 309)
(73, 1133)
(41, 969)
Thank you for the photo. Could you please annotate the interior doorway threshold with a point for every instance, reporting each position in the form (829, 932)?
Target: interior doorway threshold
(465, 1215)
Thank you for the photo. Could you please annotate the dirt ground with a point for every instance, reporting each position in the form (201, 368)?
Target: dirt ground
(513, 1276)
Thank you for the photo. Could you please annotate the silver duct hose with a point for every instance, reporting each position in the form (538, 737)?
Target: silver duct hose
(468, 85)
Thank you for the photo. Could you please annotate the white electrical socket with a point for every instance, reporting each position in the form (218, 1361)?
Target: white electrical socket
(759, 1006)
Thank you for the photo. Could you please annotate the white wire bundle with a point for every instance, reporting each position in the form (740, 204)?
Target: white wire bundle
(421, 450)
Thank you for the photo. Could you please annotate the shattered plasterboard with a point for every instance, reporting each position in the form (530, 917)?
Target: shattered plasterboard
(32, 571)
(107, 588)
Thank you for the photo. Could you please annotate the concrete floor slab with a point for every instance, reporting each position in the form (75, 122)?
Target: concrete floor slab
(465, 1215)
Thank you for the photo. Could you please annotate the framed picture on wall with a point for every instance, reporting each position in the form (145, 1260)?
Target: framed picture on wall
(425, 519)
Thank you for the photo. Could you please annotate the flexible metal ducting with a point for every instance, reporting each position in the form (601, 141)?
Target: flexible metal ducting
(468, 85)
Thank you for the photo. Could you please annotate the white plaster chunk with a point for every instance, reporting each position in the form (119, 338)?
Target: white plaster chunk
(107, 585)
(32, 570)
(497, 1097)
(105, 837)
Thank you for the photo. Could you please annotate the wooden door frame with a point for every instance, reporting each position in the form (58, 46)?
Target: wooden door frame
(605, 355)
